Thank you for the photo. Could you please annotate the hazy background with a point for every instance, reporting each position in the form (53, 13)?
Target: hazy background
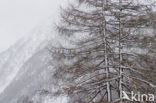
(17, 17)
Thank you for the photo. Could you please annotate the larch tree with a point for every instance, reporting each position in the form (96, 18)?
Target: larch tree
(107, 47)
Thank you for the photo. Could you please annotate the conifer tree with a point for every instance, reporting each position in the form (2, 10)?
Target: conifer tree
(108, 40)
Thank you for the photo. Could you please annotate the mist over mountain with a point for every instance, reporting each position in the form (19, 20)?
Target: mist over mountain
(25, 68)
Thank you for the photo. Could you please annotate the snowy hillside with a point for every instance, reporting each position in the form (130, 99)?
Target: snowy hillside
(16, 56)
(24, 68)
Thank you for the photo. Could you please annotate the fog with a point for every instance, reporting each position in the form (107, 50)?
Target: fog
(17, 17)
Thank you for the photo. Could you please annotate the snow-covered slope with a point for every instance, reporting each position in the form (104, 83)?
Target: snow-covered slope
(24, 67)
(17, 55)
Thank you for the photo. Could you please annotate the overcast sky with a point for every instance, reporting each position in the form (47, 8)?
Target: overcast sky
(17, 17)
